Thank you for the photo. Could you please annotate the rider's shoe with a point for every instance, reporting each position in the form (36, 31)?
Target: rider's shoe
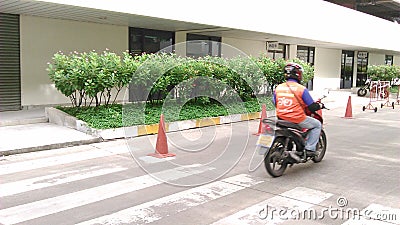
(310, 153)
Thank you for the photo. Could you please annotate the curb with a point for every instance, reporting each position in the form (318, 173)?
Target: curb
(50, 146)
(23, 122)
(63, 119)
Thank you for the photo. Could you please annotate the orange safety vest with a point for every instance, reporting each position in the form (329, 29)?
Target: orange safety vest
(288, 107)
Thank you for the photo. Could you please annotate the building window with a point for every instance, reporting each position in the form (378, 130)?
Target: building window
(278, 52)
(150, 41)
(201, 45)
(389, 60)
(362, 66)
(306, 54)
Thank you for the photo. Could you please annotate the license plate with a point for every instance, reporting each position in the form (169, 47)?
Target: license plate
(265, 140)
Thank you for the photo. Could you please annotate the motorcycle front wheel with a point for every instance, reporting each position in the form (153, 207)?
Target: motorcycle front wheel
(321, 148)
(274, 161)
(362, 92)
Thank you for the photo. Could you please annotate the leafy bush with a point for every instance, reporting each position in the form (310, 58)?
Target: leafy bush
(383, 72)
(273, 70)
(88, 78)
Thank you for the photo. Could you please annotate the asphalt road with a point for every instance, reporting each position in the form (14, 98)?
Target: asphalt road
(215, 178)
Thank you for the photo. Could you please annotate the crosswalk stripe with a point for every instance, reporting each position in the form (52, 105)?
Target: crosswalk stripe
(376, 214)
(59, 160)
(155, 210)
(36, 183)
(299, 198)
(57, 204)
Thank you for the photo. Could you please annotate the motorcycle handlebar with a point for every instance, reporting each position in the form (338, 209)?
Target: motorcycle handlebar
(323, 105)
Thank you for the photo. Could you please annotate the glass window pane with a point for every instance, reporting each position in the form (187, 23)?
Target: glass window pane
(306, 54)
(150, 41)
(215, 48)
(197, 48)
(279, 55)
(201, 45)
(302, 55)
(389, 60)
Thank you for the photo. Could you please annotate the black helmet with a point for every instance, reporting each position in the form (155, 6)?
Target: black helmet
(294, 71)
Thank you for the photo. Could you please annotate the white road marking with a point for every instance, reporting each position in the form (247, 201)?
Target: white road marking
(298, 199)
(376, 214)
(49, 206)
(150, 159)
(36, 183)
(155, 210)
(59, 160)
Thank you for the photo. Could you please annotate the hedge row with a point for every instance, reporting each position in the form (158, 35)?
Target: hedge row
(88, 78)
(383, 72)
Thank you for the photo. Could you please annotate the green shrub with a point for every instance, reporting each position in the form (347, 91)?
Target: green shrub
(383, 72)
(273, 70)
(88, 78)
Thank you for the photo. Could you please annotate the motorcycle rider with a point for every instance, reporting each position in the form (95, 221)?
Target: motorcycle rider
(291, 100)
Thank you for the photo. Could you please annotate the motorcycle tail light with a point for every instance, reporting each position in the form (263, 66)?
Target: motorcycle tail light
(268, 129)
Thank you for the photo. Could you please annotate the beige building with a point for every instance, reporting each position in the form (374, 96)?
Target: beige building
(329, 36)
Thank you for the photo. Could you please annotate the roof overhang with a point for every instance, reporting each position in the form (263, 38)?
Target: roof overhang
(324, 25)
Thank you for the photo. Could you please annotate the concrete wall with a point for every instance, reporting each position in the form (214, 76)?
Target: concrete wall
(396, 60)
(249, 47)
(42, 37)
(327, 66)
(376, 59)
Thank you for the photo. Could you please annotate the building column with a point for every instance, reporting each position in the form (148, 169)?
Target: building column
(327, 67)
(396, 60)
(180, 43)
(355, 62)
(292, 51)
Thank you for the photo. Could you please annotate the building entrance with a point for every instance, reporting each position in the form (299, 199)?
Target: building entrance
(346, 77)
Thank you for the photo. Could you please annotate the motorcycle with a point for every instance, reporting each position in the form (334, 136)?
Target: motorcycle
(283, 144)
(363, 90)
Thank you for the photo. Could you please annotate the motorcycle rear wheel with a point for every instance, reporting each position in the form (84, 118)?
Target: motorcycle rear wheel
(274, 163)
(321, 148)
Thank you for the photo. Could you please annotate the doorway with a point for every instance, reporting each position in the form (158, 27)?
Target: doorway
(362, 66)
(346, 76)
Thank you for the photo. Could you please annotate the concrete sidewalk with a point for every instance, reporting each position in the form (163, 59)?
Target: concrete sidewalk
(21, 117)
(28, 130)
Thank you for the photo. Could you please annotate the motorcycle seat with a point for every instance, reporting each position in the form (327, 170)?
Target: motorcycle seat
(287, 124)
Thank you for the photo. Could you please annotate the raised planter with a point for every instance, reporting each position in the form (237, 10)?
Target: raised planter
(63, 119)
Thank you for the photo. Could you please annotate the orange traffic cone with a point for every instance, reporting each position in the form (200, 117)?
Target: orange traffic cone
(161, 145)
(263, 116)
(349, 110)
